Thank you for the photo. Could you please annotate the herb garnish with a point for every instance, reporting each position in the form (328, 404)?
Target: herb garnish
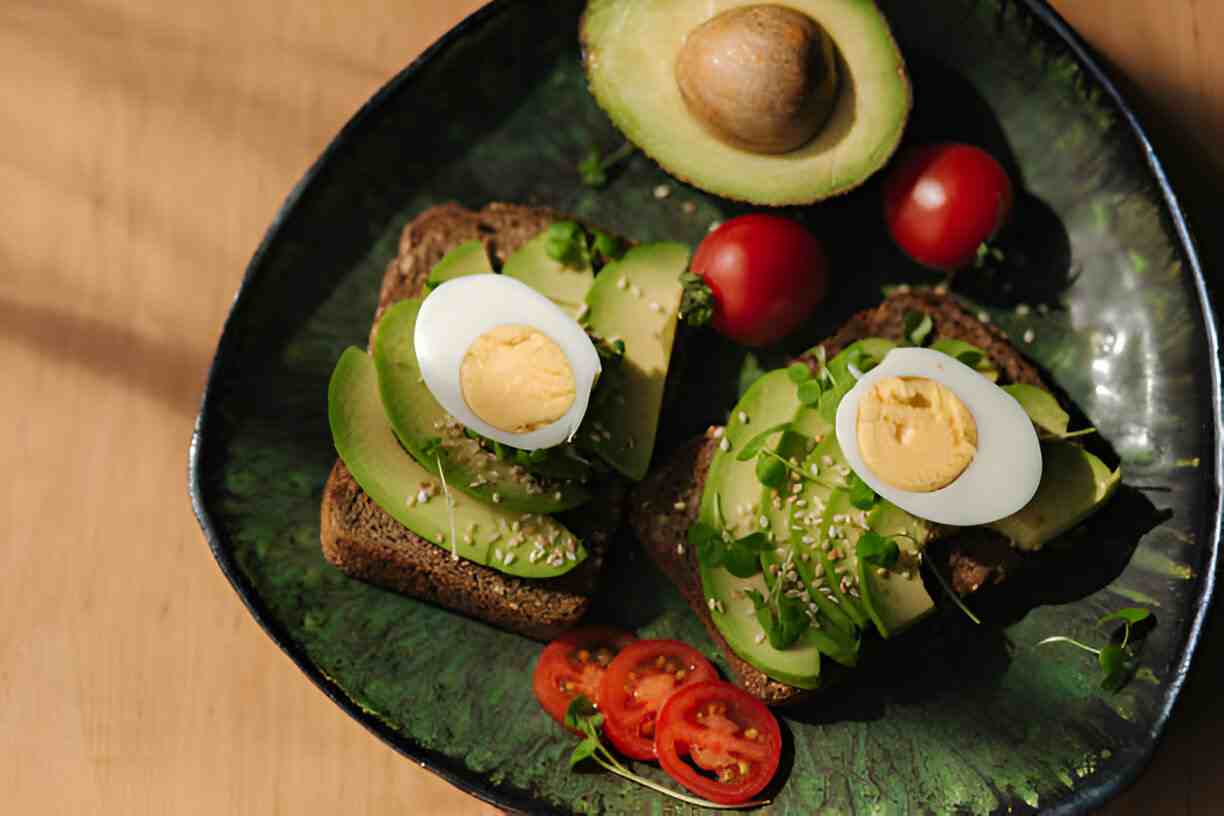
(594, 168)
(918, 327)
(861, 495)
(696, 301)
(782, 618)
(584, 718)
(566, 244)
(943, 584)
(1114, 658)
(877, 551)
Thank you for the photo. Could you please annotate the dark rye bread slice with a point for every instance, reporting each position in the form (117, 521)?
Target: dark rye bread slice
(974, 560)
(359, 537)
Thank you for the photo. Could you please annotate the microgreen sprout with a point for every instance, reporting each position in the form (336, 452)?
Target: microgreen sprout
(594, 168)
(917, 327)
(583, 717)
(696, 300)
(943, 584)
(1112, 657)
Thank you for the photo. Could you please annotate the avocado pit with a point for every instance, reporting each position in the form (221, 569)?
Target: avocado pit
(760, 78)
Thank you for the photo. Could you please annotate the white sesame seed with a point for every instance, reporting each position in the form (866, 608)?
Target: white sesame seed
(982, 316)
(760, 637)
(621, 283)
(815, 471)
(724, 445)
(763, 521)
(422, 496)
(1029, 336)
(662, 191)
(903, 288)
(718, 432)
(557, 496)
(497, 498)
(635, 290)
(680, 505)
(655, 307)
(742, 417)
(509, 559)
(826, 460)
(679, 549)
(1023, 309)
(713, 226)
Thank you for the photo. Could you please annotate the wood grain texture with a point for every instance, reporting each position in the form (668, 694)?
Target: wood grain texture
(143, 151)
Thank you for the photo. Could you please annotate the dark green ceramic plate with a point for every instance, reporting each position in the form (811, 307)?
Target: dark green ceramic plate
(951, 719)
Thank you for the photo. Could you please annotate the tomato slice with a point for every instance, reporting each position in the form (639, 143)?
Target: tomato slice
(636, 685)
(574, 664)
(718, 741)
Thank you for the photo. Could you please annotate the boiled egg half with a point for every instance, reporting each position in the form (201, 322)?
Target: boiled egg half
(939, 440)
(505, 361)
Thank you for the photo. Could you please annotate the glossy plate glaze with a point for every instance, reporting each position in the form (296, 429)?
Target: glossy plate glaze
(950, 719)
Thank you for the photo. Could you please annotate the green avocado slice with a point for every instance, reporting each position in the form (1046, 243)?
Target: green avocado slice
(566, 286)
(469, 258)
(630, 49)
(635, 299)
(432, 436)
(730, 485)
(486, 534)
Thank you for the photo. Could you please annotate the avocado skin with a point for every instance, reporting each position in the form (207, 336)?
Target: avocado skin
(389, 476)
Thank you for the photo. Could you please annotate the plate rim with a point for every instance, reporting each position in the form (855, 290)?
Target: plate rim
(508, 797)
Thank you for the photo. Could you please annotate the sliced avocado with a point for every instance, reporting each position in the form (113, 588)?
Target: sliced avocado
(436, 440)
(732, 485)
(1074, 485)
(469, 258)
(630, 53)
(896, 598)
(1042, 408)
(563, 284)
(637, 300)
(492, 535)
(967, 351)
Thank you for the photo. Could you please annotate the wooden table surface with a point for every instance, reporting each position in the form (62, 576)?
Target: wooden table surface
(144, 148)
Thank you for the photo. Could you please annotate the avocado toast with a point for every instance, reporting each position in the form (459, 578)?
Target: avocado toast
(495, 541)
(677, 498)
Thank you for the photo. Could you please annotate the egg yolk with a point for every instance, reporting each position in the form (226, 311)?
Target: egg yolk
(915, 434)
(517, 379)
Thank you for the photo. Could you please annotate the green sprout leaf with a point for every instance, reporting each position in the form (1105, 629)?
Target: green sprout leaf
(1131, 615)
(696, 300)
(1113, 667)
(594, 167)
(754, 542)
(607, 247)
(580, 713)
(708, 544)
(565, 242)
(878, 551)
(770, 472)
(740, 562)
(753, 446)
(810, 391)
(970, 358)
(798, 373)
(584, 750)
(861, 495)
(918, 326)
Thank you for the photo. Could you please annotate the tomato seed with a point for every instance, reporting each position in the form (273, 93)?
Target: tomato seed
(660, 661)
(752, 733)
(680, 674)
(584, 655)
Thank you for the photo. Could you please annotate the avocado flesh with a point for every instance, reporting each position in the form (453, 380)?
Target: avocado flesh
(469, 258)
(566, 286)
(418, 421)
(635, 299)
(1074, 485)
(389, 476)
(729, 485)
(630, 49)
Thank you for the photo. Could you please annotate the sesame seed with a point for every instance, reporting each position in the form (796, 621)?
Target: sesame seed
(764, 522)
(497, 498)
(509, 559)
(621, 283)
(655, 307)
(815, 471)
(826, 460)
(713, 226)
(982, 316)
(717, 432)
(781, 552)
(1022, 310)
(422, 496)
(635, 290)
(411, 501)
(941, 289)
(688, 207)
(880, 571)
(679, 549)
(807, 539)
(557, 495)
(662, 191)
(680, 505)
(1029, 336)
(760, 637)
(903, 288)
(724, 445)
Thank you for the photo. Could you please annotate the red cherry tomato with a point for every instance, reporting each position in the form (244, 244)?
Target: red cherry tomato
(718, 741)
(574, 664)
(943, 201)
(767, 274)
(636, 685)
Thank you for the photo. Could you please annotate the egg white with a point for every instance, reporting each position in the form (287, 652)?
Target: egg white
(459, 311)
(1006, 469)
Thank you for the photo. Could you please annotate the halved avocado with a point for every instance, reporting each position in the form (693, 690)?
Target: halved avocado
(630, 52)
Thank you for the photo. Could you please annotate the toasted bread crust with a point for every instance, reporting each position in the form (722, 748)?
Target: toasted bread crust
(362, 540)
(974, 561)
